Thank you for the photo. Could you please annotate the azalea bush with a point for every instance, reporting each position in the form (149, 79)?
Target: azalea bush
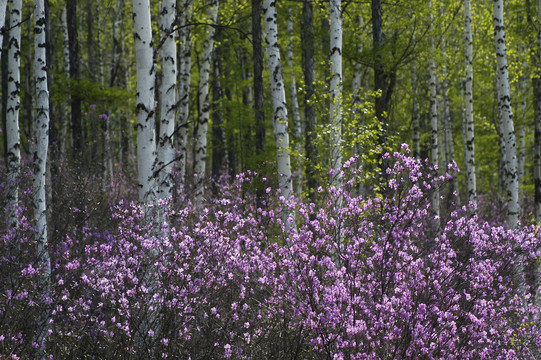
(241, 277)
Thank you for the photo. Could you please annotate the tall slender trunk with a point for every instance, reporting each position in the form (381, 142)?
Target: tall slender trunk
(507, 116)
(219, 153)
(335, 110)
(295, 108)
(145, 113)
(415, 115)
(76, 121)
(185, 66)
(168, 87)
(3, 9)
(537, 153)
(257, 48)
(12, 113)
(278, 97)
(146, 156)
(520, 166)
(469, 148)
(39, 170)
(64, 109)
(357, 113)
(99, 44)
(308, 63)
(448, 123)
(200, 161)
(537, 135)
(434, 155)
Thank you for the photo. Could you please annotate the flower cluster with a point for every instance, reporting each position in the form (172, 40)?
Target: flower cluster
(357, 278)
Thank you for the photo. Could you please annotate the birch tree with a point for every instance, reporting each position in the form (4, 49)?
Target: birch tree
(308, 63)
(64, 110)
(508, 131)
(415, 115)
(294, 106)
(3, 10)
(257, 54)
(145, 113)
(278, 97)
(146, 153)
(434, 155)
(41, 123)
(76, 121)
(469, 147)
(168, 55)
(219, 153)
(448, 124)
(200, 161)
(335, 110)
(12, 113)
(184, 74)
(537, 133)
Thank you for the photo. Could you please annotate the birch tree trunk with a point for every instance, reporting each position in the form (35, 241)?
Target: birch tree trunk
(357, 113)
(219, 153)
(185, 66)
(469, 148)
(520, 165)
(146, 75)
(507, 116)
(335, 110)
(415, 115)
(434, 155)
(295, 108)
(64, 110)
(537, 155)
(168, 87)
(39, 169)
(76, 122)
(308, 60)
(448, 123)
(200, 161)
(3, 10)
(99, 49)
(537, 134)
(257, 49)
(278, 97)
(146, 156)
(12, 113)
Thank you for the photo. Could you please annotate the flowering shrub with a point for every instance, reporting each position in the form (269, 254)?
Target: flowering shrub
(355, 278)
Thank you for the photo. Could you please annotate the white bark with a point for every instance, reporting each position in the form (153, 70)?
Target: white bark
(469, 148)
(537, 137)
(448, 123)
(200, 161)
(521, 158)
(357, 72)
(295, 112)
(168, 54)
(537, 164)
(12, 113)
(434, 156)
(146, 145)
(335, 110)
(507, 116)
(64, 112)
(99, 45)
(40, 161)
(3, 9)
(278, 97)
(415, 115)
(185, 65)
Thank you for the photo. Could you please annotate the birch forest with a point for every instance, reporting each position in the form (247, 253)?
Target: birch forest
(262, 179)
